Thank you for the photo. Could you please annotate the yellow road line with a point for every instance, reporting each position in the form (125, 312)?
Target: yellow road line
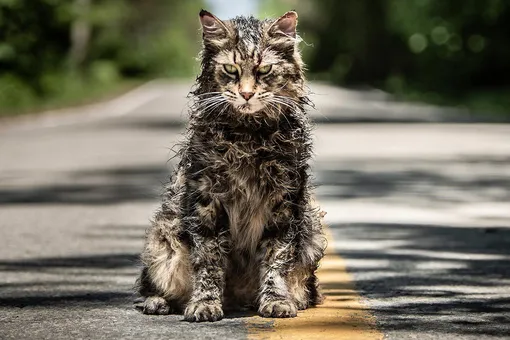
(342, 316)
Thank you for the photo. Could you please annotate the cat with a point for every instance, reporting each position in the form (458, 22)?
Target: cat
(237, 226)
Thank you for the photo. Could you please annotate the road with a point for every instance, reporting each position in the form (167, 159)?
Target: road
(418, 214)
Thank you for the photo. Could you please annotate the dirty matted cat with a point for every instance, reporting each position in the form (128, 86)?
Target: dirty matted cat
(237, 227)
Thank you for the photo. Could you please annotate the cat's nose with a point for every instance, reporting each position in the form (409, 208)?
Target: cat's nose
(247, 95)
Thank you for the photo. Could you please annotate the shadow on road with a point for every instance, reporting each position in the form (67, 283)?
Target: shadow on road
(429, 277)
(419, 181)
(77, 280)
(55, 264)
(107, 186)
(84, 299)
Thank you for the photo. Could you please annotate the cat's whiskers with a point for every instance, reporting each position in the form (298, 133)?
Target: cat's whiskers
(282, 102)
(208, 94)
(277, 111)
(208, 105)
(224, 109)
(231, 98)
(205, 101)
(213, 106)
(285, 98)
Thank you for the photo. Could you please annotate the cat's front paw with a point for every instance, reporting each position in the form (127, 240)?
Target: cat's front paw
(278, 309)
(301, 305)
(156, 305)
(203, 311)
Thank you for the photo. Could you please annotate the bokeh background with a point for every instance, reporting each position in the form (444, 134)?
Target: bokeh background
(66, 52)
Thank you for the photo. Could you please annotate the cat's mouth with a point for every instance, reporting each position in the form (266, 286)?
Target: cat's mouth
(245, 108)
(249, 108)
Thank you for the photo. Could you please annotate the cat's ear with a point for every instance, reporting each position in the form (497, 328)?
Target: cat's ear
(212, 27)
(286, 25)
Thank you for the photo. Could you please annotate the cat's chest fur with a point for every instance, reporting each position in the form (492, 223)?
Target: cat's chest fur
(254, 167)
(252, 177)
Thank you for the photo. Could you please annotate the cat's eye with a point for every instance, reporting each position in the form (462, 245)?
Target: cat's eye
(230, 69)
(265, 69)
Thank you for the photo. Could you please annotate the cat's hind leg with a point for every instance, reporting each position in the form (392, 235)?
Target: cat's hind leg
(165, 280)
(302, 280)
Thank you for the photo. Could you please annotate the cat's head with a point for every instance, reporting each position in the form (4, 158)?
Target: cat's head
(249, 64)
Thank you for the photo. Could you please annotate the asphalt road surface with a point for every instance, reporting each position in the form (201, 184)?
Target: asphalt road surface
(418, 213)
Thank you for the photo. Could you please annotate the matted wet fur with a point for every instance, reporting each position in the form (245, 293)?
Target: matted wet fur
(237, 227)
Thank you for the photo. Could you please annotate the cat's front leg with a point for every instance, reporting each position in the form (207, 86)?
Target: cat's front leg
(209, 262)
(276, 257)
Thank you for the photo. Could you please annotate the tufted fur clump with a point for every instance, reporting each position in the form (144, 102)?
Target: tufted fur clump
(237, 227)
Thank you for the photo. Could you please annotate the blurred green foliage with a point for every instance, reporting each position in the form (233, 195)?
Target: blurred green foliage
(52, 49)
(443, 51)
(447, 52)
